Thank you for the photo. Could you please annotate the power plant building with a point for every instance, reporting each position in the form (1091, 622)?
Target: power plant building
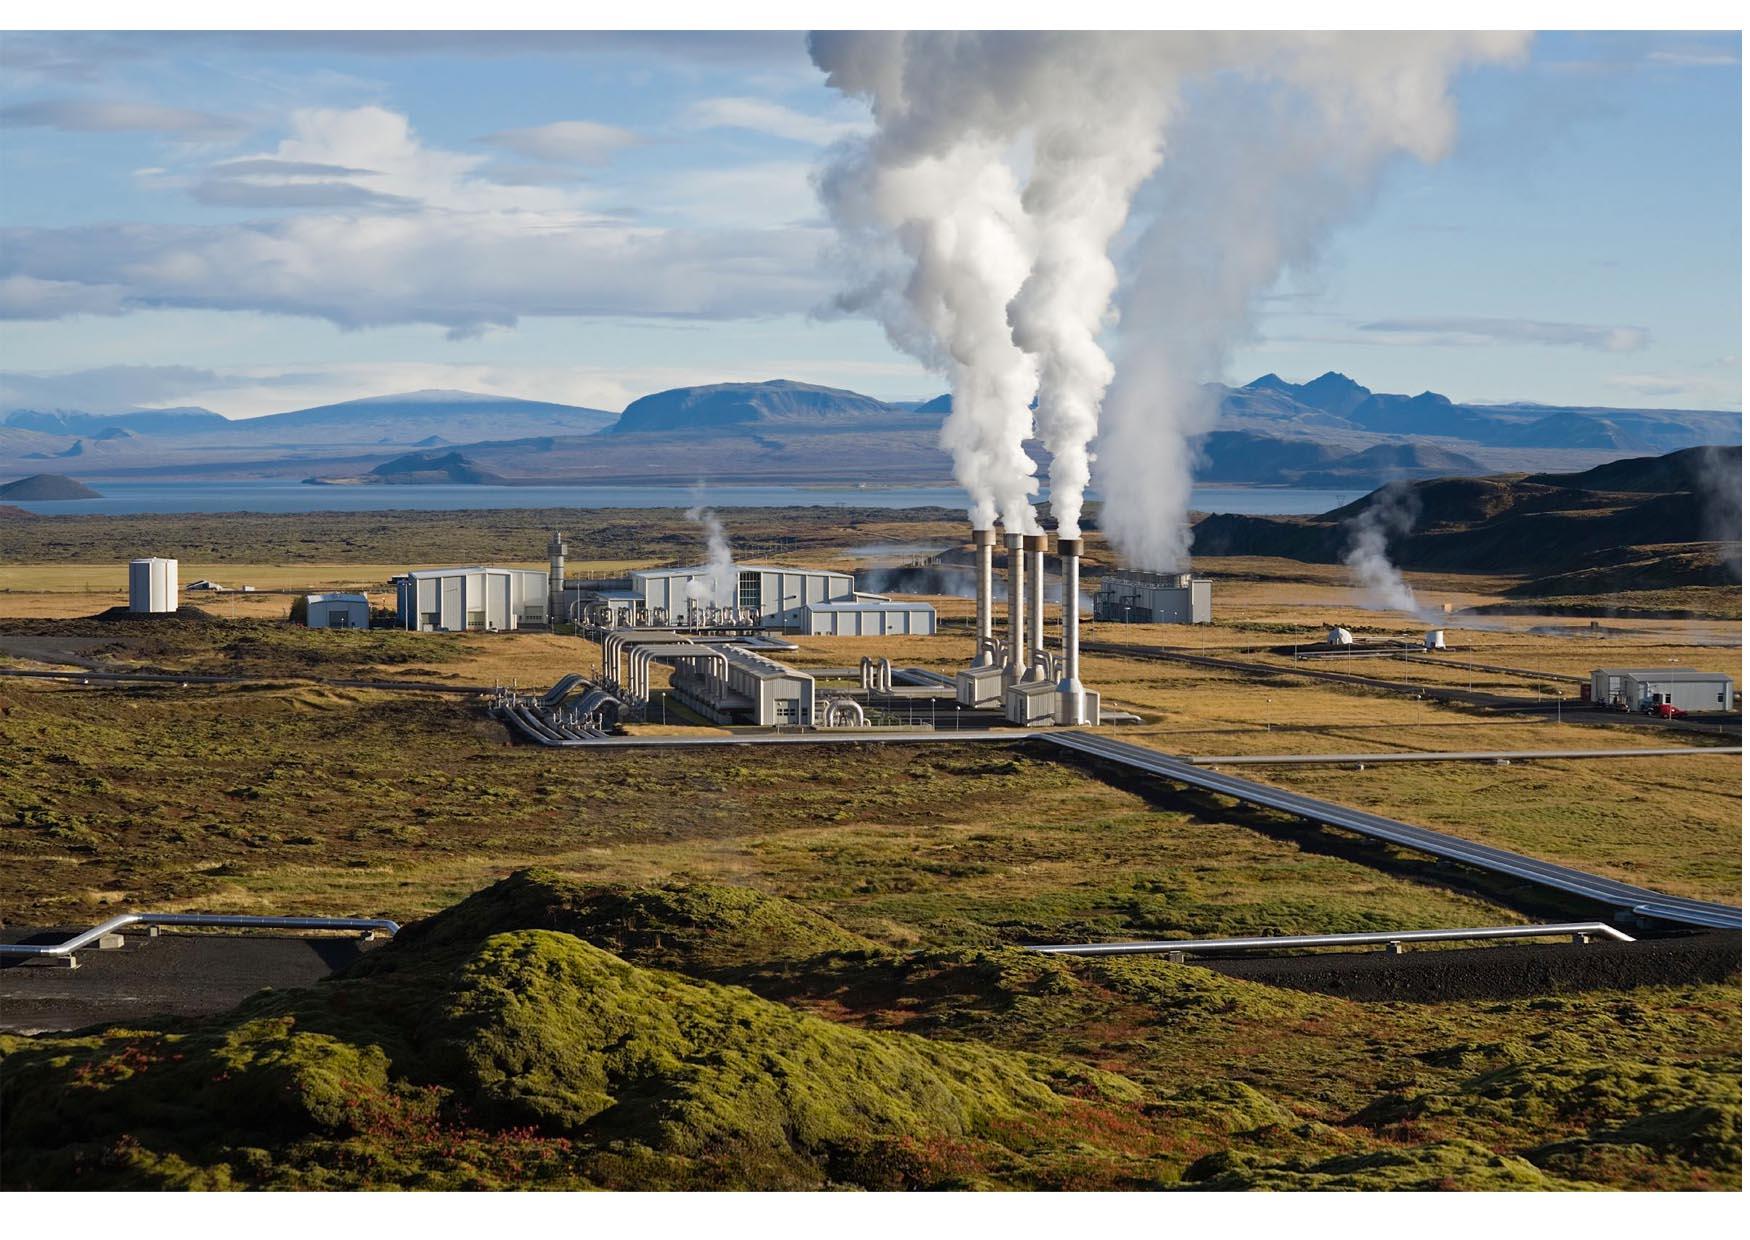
(1682, 687)
(454, 600)
(1133, 597)
(867, 617)
(749, 688)
(796, 600)
(334, 611)
(152, 585)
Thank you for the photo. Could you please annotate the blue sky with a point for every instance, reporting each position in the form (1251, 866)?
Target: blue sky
(260, 222)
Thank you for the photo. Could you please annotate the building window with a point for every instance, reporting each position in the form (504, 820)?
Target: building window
(748, 591)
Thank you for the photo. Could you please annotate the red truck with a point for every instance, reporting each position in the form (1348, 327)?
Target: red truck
(1660, 706)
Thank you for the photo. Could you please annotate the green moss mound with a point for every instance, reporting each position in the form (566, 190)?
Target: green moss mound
(529, 1057)
(1690, 1112)
(701, 928)
(1460, 1166)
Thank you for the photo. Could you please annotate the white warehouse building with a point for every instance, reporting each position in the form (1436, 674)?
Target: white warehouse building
(1682, 687)
(334, 611)
(451, 600)
(798, 600)
(868, 617)
(1134, 597)
(152, 584)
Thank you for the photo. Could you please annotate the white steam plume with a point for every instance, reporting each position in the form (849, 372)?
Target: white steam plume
(1392, 514)
(1266, 162)
(1270, 142)
(717, 587)
(930, 213)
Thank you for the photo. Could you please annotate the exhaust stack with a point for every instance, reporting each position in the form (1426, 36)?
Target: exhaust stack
(1033, 658)
(1017, 666)
(1072, 698)
(983, 541)
(555, 578)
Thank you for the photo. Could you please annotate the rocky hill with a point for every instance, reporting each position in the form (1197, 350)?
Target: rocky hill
(47, 487)
(1588, 524)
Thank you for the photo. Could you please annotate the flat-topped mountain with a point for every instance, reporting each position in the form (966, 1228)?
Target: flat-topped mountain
(775, 402)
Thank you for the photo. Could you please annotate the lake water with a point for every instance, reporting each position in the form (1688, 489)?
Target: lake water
(281, 496)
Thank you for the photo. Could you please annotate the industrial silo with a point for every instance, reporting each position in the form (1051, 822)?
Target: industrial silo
(152, 585)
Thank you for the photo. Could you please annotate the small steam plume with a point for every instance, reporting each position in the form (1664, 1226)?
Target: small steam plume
(717, 587)
(1719, 488)
(978, 222)
(1392, 514)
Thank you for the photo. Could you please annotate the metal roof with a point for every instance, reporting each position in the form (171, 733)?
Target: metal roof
(702, 570)
(867, 605)
(1662, 673)
(337, 598)
(427, 573)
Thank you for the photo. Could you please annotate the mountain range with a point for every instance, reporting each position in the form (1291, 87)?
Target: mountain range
(1329, 432)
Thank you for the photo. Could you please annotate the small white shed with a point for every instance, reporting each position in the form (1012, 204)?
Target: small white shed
(337, 611)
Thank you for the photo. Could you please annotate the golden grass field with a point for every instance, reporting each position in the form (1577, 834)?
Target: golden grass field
(1618, 816)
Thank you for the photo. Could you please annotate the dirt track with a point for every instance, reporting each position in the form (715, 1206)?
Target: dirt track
(1496, 972)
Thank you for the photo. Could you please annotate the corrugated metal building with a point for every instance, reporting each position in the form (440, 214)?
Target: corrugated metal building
(759, 690)
(1135, 597)
(776, 595)
(152, 584)
(451, 600)
(868, 618)
(1683, 687)
(336, 611)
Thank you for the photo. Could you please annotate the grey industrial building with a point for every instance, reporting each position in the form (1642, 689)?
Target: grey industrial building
(745, 688)
(868, 617)
(1682, 687)
(798, 600)
(333, 611)
(452, 600)
(1130, 596)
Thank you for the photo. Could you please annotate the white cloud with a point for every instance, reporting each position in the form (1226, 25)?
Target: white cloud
(565, 142)
(27, 297)
(767, 117)
(98, 116)
(1459, 331)
(1699, 390)
(415, 234)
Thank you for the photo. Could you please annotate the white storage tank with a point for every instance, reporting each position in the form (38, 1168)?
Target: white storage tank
(152, 585)
(1339, 637)
(1434, 639)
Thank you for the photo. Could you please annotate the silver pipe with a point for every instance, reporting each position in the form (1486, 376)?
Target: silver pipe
(1072, 698)
(91, 936)
(982, 542)
(1035, 546)
(1017, 605)
(1269, 942)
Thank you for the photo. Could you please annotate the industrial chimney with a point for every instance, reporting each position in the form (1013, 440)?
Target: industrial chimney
(555, 578)
(983, 541)
(1017, 606)
(1035, 545)
(1072, 699)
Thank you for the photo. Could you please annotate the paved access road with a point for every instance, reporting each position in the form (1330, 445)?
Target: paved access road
(1623, 897)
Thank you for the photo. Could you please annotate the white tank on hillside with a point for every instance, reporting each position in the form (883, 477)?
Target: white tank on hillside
(152, 585)
(1434, 639)
(1339, 636)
